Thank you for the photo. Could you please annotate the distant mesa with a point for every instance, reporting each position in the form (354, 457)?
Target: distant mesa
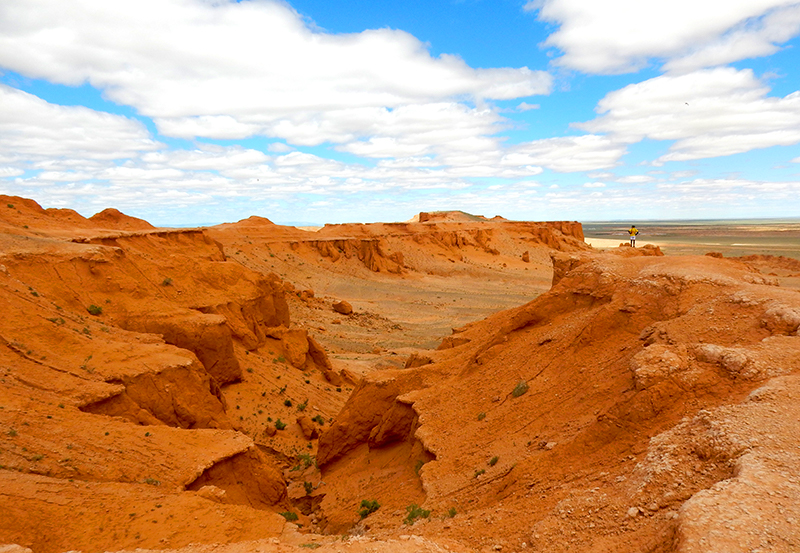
(256, 220)
(253, 222)
(114, 219)
(451, 217)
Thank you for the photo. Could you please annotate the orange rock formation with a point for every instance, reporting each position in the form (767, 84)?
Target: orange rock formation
(161, 388)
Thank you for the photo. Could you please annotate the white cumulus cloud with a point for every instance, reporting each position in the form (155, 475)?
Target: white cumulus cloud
(618, 36)
(707, 113)
(569, 154)
(34, 130)
(228, 70)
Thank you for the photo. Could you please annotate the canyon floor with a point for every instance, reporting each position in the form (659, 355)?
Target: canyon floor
(452, 383)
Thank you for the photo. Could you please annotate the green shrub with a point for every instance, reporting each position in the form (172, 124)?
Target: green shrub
(279, 424)
(288, 403)
(418, 466)
(479, 472)
(319, 420)
(493, 461)
(94, 310)
(414, 512)
(309, 487)
(368, 507)
(451, 512)
(481, 416)
(520, 389)
(307, 460)
(289, 516)
(166, 282)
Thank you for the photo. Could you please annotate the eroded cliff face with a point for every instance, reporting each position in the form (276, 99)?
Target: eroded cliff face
(114, 347)
(564, 410)
(436, 246)
(122, 350)
(174, 283)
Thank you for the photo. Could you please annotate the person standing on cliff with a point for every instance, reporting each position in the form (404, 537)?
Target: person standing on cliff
(633, 232)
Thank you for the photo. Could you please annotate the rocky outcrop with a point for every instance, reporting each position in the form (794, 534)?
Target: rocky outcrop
(183, 396)
(417, 360)
(302, 351)
(397, 424)
(781, 319)
(111, 516)
(246, 478)
(370, 252)
(449, 216)
(113, 219)
(113, 347)
(373, 415)
(740, 491)
(621, 348)
(307, 426)
(173, 283)
(207, 336)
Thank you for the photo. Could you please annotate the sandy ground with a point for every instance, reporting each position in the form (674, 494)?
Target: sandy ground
(609, 243)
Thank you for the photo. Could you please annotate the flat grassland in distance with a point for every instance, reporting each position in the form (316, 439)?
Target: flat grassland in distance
(732, 238)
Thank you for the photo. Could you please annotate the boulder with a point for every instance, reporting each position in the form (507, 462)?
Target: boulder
(343, 307)
(308, 427)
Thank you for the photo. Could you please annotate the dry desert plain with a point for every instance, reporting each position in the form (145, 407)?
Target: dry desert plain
(448, 384)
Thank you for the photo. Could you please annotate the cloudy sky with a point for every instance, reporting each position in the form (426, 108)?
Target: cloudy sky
(192, 112)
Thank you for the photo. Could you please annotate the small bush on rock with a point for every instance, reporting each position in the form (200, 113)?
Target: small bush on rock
(520, 389)
(368, 507)
(414, 512)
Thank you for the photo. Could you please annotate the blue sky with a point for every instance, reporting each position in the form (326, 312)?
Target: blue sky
(191, 112)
